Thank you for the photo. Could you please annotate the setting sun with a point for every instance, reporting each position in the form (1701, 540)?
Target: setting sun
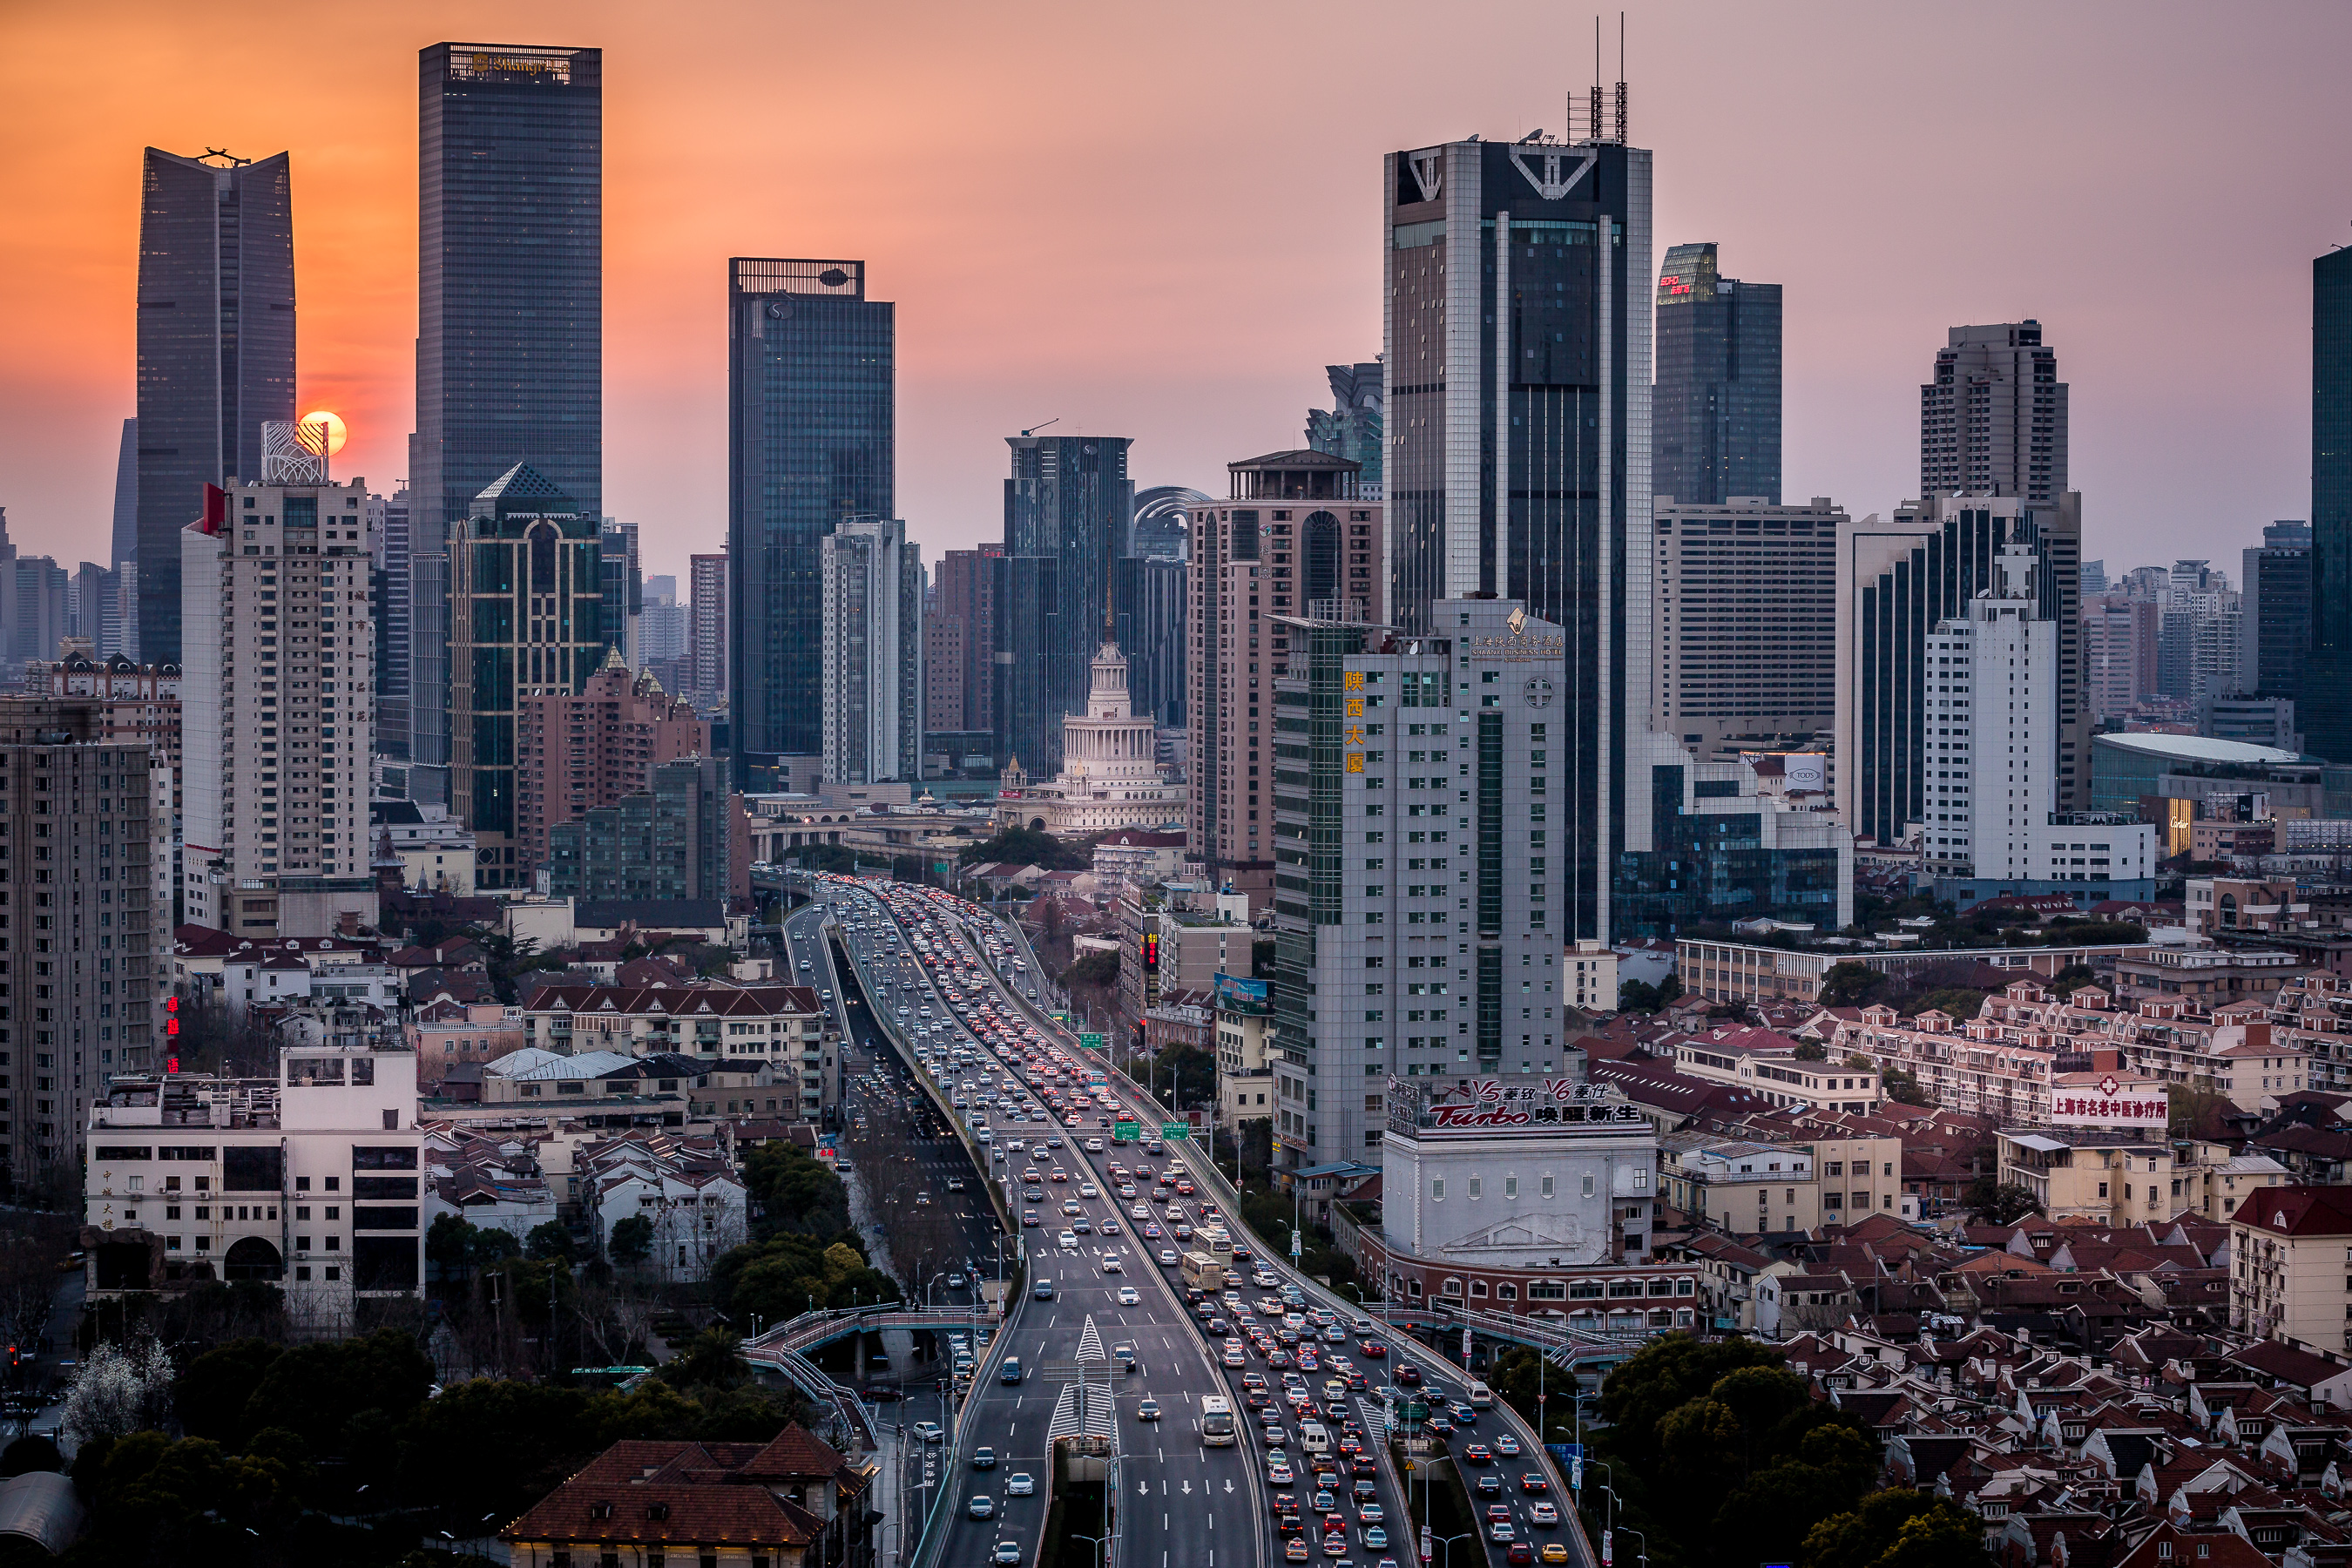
(336, 433)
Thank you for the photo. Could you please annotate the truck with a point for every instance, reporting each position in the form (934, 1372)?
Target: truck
(1203, 1271)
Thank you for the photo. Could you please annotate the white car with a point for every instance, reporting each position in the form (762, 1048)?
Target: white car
(1069, 1238)
(1129, 1298)
(1110, 1266)
(1167, 1259)
(1093, 1146)
(1020, 1484)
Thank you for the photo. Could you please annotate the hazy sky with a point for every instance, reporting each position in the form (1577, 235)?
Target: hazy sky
(1162, 221)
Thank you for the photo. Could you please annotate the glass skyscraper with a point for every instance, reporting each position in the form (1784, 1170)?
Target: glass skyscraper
(1715, 414)
(216, 351)
(1518, 354)
(510, 297)
(812, 422)
(1069, 508)
(2324, 708)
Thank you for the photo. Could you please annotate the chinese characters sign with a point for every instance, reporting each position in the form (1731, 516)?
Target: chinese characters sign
(2110, 1103)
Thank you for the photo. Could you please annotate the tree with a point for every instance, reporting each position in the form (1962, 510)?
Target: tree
(552, 1239)
(1810, 1051)
(2195, 1110)
(2073, 978)
(1898, 1528)
(117, 1391)
(712, 1359)
(1772, 1513)
(1961, 1002)
(1902, 1086)
(631, 1241)
(1989, 1202)
(1665, 1375)
(212, 1394)
(29, 1454)
(1028, 846)
(1851, 983)
(1637, 997)
(1099, 969)
(318, 1391)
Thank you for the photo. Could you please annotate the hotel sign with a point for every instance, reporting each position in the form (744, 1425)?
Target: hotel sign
(1487, 1106)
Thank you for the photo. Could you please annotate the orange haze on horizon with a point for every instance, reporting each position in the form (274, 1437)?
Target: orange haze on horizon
(1162, 222)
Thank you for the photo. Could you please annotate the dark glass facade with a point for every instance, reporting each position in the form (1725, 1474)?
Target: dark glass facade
(811, 438)
(2324, 708)
(1714, 412)
(510, 296)
(1716, 868)
(2276, 589)
(215, 353)
(1069, 507)
(1148, 623)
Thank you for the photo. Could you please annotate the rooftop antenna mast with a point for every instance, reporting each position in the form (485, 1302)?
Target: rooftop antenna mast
(1034, 428)
(1621, 77)
(1592, 125)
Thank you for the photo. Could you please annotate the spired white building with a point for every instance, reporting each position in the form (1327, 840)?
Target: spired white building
(1111, 777)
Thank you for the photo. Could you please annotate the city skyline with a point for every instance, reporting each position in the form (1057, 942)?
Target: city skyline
(1088, 315)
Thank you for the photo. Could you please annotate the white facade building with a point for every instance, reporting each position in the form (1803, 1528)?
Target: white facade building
(277, 695)
(872, 585)
(1111, 777)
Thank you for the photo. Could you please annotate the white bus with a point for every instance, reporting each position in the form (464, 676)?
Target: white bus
(1216, 1421)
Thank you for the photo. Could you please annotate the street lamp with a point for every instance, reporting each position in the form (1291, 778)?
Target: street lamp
(1098, 1541)
(1448, 1542)
(1643, 1552)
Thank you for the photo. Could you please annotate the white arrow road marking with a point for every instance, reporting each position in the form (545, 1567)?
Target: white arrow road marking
(1143, 1487)
(1229, 1483)
(1187, 1488)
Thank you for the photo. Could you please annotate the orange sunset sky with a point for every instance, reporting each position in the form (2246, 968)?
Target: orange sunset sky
(1162, 220)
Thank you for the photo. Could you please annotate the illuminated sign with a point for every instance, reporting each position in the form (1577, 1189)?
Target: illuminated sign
(1152, 952)
(1494, 1105)
(1236, 994)
(2078, 1099)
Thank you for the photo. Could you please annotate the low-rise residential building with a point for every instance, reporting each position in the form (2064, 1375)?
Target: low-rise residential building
(307, 1181)
(784, 1025)
(2288, 1275)
(1749, 1185)
(446, 1034)
(1742, 972)
(685, 1187)
(1588, 977)
(2117, 1177)
(2205, 974)
(1767, 1063)
(492, 1181)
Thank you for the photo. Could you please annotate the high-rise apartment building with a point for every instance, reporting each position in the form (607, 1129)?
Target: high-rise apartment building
(1353, 426)
(577, 752)
(1069, 508)
(624, 590)
(2120, 640)
(1993, 420)
(965, 589)
(2095, 577)
(944, 690)
(710, 622)
(89, 947)
(216, 351)
(1747, 608)
(1147, 597)
(277, 695)
(1990, 691)
(2324, 702)
(510, 292)
(1293, 527)
(674, 839)
(871, 648)
(1519, 464)
(1418, 929)
(527, 611)
(394, 627)
(1899, 580)
(811, 420)
(2274, 606)
(137, 702)
(1714, 412)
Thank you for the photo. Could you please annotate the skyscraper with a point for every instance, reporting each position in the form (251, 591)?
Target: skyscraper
(965, 587)
(1994, 421)
(2325, 705)
(872, 652)
(1520, 466)
(394, 627)
(1747, 623)
(1069, 507)
(125, 545)
(709, 613)
(1715, 414)
(2274, 599)
(812, 438)
(1353, 426)
(527, 612)
(216, 351)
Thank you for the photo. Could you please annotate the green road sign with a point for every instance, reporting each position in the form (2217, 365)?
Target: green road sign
(1091, 1042)
(1177, 1131)
(1125, 1131)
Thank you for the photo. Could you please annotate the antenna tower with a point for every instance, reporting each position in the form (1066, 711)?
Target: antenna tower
(1621, 77)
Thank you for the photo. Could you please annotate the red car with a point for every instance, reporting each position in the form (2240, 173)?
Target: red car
(1407, 1375)
(1520, 1552)
(1184, 1189)
(1373, 1348)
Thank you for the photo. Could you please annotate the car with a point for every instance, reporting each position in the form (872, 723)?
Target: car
(1084, 1226)
(1295, 1550)
(1069, 1238)
(1490, 1485)
(1151, 1229)
(1285, 1503)
(1008, 1551)
(1060, 1176)
(1127, 1295)
(982, 1507)
(1042, 1290)
(1501, 1530)
(983, 1458)
(1407, 1375)
(1093, 1146)
(1477, 1454)
(1370, 1513)
(1373, 1348)
(1233, 1355)
(1518, 1552)
(1029, 1217)
(1167, 1259)
(1532, 1482)
(1376, 1538)
(1463, 1415)
(931, 1431)
(1147, 1410)
(1033, 1194)
(1439, 1427)
(1542, 1513)
(1110, 1227)
(1088, 1190)
(1277, 1471)
(955, 1281)
(1323, 1502)
(1336, 1545)
(1506, 1445)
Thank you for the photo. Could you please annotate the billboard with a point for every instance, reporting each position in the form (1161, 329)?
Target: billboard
(1481, 1107)
(2080, 1100)
(1236, 994)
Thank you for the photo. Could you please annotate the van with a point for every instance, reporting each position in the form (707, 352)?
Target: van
(1481, 1396)
(1314, 1439)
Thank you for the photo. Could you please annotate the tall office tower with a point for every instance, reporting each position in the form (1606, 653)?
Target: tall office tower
(394, 628)
(662, 630)
(1714, 413)
(2197, 601)
(1147, 597)
(92, 950)
(1990, 689)
(710, 618)
(624, 589)
(510, 265)
(2095, 577)
(2121, 636)
(37, 610)
(1521, 459)
(1069, 507)
(94, 609)
(1283, 543)
(811, 420)
(277, 694)
(527, 612)
(576, 753)
(943, 669)
(1899, 580)
(871, 649)
(1158, 533)
(1747, 623)
(2324, 704)
(1418, 930)
(125, 543)
(215, 350)
(1353, 426)
(967, 594)
(1993, 422)
(673, 839)
(2274, 604)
